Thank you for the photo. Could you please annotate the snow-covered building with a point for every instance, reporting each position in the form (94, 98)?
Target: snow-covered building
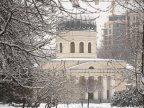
(77, 56)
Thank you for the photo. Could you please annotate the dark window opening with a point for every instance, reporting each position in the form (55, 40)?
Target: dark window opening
(108, 94)
(72, 47)
(91, 67)
(90, 96)
(89, 47)
(81, 47)
(61, 48)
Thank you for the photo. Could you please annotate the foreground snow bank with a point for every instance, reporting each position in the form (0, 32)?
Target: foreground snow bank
(103, 105)
(6, 106)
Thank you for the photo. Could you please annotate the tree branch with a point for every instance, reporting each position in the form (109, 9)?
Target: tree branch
(22, 49)
(6, 24)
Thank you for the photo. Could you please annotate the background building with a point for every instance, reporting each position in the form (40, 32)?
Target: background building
(134, 34)
(122, 35)
(114, 35)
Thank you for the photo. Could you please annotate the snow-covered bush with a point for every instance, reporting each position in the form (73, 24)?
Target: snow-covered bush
(127, 98)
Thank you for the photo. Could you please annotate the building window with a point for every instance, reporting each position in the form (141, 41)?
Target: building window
(109, 25)
(117, 24)
(89, 47)
(108, 94)
(91, 67)
(61, 48)
(109, 31)
(72, 47)
(81, 47)
(105, 31)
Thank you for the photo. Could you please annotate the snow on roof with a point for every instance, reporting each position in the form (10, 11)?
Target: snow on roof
(84, 59)
(76, 65)
(128, 66)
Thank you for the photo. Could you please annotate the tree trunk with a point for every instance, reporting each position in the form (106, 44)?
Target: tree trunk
(67, 105)
(35, 105)
(143, 101)
(82, 103)
(88, 101)
(142, 70)
(24, 102)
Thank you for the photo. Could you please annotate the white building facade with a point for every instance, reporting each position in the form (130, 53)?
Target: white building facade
(77, 56)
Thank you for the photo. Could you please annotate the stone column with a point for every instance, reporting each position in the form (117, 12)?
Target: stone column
(86, 94)
(96, 91)
(104, 87)
(112, 86)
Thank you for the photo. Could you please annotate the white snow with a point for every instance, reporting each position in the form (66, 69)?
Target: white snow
(84, 59)
(5, 106)
(103, 105)
(130, 67)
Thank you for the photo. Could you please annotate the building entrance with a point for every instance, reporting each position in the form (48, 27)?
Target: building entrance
(90, 96)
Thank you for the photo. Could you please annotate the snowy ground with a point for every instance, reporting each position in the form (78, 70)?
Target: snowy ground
(104, 105)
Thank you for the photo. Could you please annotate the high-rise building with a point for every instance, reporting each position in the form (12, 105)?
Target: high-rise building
(134, 34)
(114, 34)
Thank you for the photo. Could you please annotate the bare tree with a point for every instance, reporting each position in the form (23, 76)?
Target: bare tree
(27, 28)
(48, 87)
(53, 87)
(135, 34)
(70, 93)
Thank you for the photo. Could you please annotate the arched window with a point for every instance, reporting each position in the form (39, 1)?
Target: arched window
(81, 47)
(89, 47)
(72, 47)
(61, 47)
(91, 67)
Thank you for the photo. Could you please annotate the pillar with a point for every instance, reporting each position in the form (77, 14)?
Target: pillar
(96, 91)
(104, 87)
(86, 94)
(112, 86)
